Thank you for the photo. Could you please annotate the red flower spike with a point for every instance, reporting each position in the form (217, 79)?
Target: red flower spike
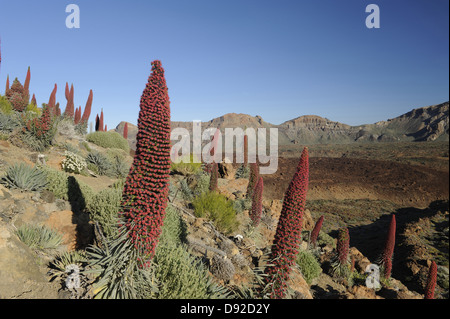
(431, 281)
(145, 203)
(288, 234)
(315, 232)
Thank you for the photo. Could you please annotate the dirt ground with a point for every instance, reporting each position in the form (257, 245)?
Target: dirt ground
(355, 178)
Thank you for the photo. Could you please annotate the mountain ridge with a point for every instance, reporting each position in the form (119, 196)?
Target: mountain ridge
(427, 123)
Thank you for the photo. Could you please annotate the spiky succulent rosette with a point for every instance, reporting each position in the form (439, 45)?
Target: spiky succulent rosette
(146, 188)
(288, 234)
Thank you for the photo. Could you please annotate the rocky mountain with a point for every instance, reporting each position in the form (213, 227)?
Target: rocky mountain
(428, 123)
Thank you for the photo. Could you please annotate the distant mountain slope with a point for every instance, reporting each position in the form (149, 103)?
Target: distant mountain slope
(428, 123)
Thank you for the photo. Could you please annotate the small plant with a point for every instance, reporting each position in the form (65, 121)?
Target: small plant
(222, 268)
(22, 176)
(8, 123)
(57, 182)
(40, 238)
(5, 105)
(73, 163)
(108, 140)
(340, 264)
(186, 166)
(218, 209)
(103, 208)
(100, 163)
(309, 266)
(119, 169)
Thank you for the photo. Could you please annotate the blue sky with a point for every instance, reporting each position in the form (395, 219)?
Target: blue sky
(277, 59)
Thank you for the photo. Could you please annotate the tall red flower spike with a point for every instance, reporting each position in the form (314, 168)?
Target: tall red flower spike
(253, 179)
(33, 100)
(213, 182)
(245, 150)
(26, 85)
(77, 116)
(389, 249)
(288, 234)
(343, 245)
(52, 102)
(256, 211)
(146, 188)
(67, 91)
(125, 130)
(106, 128)
(70, 107)
(7, 85)
(431, 281)
(315, 232)
(87, 108)
(100, 125)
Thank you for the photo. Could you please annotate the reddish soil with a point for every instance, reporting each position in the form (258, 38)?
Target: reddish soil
(352, 178)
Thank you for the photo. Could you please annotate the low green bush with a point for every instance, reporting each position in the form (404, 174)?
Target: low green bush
(181, 276)
(103, 208)
(108, 140)
(186, 166)
(217, 208)
(5, 105)
(309, 266)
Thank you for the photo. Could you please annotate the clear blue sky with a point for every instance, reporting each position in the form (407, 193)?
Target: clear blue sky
(277, 59)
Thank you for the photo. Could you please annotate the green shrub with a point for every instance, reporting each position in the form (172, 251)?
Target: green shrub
(5, 105)
(25, 177)
(188, 167)
(39, 237)
(181, 276)
(108, 140)
(242, 204)
(103, 208)
(174, 229)
(73, 163)
(100, 163)
(202, 185)
(309, 266)
(325, 240)
(119, 168)
(8, 123)
(217, 208)
(57, 182)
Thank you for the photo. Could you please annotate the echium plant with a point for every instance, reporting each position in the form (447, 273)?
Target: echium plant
(315, 232)
(288, 234)
(146, 188)
(253, 179)
(431, 281)
(340, 264)
(256, 211)
(386, 258)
